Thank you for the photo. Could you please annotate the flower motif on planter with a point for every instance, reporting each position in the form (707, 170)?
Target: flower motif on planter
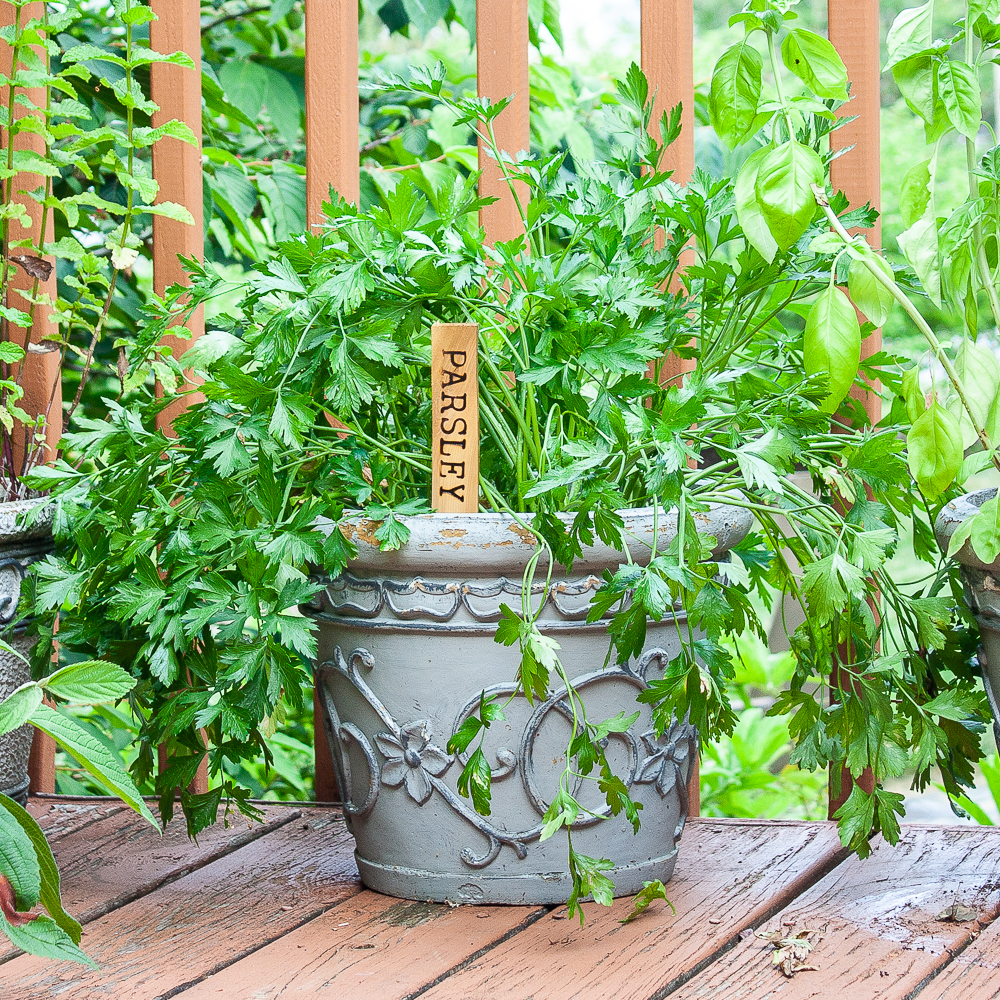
(667, 762)
(411, 760)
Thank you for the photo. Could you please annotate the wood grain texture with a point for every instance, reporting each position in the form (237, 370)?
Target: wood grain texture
(196, 925)
(177, 169)
(502, 71)
(108, 861)
(59, 817)
(667, 29)
(42, 379)
(880, 938)
(667, 41)
(332, 105)
(455, 416)
(973, 974)
(735, 874)
(372, 946)
(854, 30)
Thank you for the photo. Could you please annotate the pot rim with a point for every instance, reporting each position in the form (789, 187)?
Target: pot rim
(953, 515)
(498, 543)
(12, 512)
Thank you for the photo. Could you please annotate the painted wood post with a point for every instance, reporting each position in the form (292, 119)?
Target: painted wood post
(176, 164)
(42, 373)
(854, 31)
(667, 42)
(502, 71)
(455, 432)
(42, 377)
(177, 169)
(332, 160)
(331, 105)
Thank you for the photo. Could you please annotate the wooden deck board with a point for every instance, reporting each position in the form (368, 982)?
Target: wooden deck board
(732, 874)
(61, 817)
(107, 861)
(191, 927)
(372, 946)
(973, 974)
(279, 912)
(880, 938)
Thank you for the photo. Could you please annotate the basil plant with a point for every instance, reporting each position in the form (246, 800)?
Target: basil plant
(182, 559)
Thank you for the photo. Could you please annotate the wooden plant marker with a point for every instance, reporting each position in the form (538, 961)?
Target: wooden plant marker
(455, 433)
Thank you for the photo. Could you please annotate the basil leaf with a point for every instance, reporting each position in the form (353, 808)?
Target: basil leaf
(867, 292)
(934, 450)
(814, 60)
(784, 190)
(985, 536)
(962, 96)
(748, 211)
(919, 245)
(833, 344)
(912, 31)
(736, 88)
(915, 193)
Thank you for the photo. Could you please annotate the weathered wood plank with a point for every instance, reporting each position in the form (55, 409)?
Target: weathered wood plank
(880, 937)
(121, 858)
(109, 861)
(733, 874)
(192, 927)
(386, 948)
(59, 817)
(974, 974)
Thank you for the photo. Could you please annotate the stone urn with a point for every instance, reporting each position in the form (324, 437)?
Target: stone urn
(406, 649)
(20, 546)
(982, 591)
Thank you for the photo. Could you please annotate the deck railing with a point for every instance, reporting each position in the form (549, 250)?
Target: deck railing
(331, 76)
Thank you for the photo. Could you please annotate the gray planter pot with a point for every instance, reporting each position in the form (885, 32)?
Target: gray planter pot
(19, 547)
(982, 591)
(405, 649)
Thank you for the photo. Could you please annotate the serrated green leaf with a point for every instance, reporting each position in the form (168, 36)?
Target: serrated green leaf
(49, 895)
(92, 682)
(19, 706)
(93, 756)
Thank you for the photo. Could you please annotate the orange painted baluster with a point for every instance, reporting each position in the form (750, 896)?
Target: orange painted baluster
(332, 160)
(177, 169)
(667, 29)
(502, 71)
(176, 164)
(331, 103)
(854, 31)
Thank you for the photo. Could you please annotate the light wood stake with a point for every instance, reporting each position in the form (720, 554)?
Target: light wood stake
(455, 437)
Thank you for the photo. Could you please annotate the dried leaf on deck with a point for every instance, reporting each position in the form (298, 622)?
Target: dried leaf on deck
(958, 913)
(791, 950)
(36, 267)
